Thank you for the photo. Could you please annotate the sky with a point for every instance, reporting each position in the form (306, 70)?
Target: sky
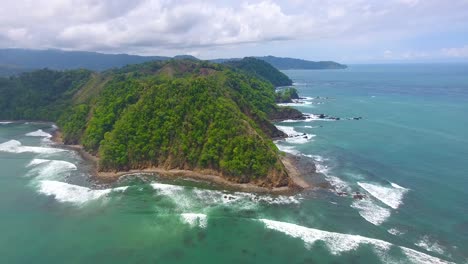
(348, 31)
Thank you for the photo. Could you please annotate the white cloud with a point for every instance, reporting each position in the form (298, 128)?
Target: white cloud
(456, 52)
(182, 26)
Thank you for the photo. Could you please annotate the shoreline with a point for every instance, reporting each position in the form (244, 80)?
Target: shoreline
(297, 183)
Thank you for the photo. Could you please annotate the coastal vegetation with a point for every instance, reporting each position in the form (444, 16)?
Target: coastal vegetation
(262, 70)
(178, 114)
(290, 64)
(286, 95)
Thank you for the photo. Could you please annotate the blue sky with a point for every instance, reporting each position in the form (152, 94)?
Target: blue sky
(352, 31)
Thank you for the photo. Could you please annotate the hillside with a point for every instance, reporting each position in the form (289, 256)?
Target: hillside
(291, 63)
(294, 64)
(180, 114)
(262, 70)
(9, 70)
(62, 60)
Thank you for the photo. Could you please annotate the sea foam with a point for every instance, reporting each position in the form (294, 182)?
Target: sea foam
(338, 243)
(14, 146)
(295, 137)
(309, 118)
(433, 246)
(193, 219)
(39, 133)
(75, 194)
(50, 169)
(395, 232)
(287, 149)
(391, 196)
(187, 198)
(371, 212)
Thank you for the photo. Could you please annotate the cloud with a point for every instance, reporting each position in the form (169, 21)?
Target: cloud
(456, 52)
(113, 25)
(181, 26)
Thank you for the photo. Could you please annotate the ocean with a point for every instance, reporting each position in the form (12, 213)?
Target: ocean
(406, 156)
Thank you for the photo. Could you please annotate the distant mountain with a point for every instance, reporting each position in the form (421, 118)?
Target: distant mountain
(8, 70)
(60, 60)
(290, 63)
(13, 61)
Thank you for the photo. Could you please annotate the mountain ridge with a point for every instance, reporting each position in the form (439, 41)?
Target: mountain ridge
(22, 60)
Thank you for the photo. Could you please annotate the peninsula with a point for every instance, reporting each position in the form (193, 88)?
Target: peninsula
(189, 116)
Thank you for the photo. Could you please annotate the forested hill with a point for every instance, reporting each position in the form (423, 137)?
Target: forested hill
(293, 64)
(61, 60)
(262, 69)
(290, 64)
(183, 114)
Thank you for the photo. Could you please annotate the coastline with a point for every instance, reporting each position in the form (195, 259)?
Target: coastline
(296, 183)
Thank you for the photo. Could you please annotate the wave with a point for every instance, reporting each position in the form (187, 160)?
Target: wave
(309, 118)
(187, 198)
(317, 158)
(39, 133)
(338, 184)
(287, 149)
(429, 245)
(5, 123)
(193, 219)
(35, 162)
(338, 243)
(14, 146)
(294, 136)
(64, 192)
(299, 84)
(297, 102)
(392, 197)
(395, 232)
(371, 212)
(50, 169)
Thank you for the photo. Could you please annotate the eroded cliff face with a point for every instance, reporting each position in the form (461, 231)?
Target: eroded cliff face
(285, 113)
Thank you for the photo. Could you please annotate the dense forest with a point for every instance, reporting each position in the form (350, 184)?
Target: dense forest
(66, 60)
(262, 70)
(184, 114)
(286, 95)
(295, 64)
(291, 63)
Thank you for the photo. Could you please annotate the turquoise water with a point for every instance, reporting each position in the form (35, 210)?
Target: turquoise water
(407, 156)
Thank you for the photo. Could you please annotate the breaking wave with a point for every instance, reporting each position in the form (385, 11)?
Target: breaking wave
(39, 133)
(50, 169)
(430, 245)
(193, 219)
(294, 136)
(64, 192)
(309, 118)
(14, 146)
(188, 198)
(338, 243)
(392, 197)
(371, 212)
